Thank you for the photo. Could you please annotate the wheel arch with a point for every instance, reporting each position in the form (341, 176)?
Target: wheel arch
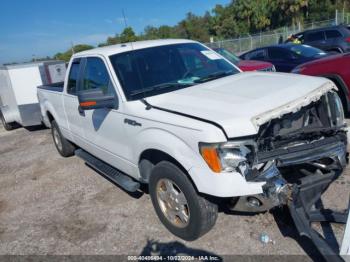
(335, 49)
(162, 145)
(49, 116)
(151, 157)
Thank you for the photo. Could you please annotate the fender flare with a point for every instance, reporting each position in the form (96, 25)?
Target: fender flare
(175, 147)
(48, 108)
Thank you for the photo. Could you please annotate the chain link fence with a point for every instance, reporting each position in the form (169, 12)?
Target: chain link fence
(246, 43)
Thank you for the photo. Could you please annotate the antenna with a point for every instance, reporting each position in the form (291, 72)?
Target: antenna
(126, 26)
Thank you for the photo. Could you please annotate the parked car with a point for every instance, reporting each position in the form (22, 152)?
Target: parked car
(18, 83)
(246, 65)
(195, 131)
(335, 68)
(285, 56)
(330, 39)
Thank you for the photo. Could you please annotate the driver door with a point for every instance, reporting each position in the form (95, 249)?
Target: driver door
(104, 130)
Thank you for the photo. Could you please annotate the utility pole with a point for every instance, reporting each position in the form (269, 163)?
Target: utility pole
(336, 17)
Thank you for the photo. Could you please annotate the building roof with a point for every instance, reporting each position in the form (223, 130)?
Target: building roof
(120, 48)
(29, 64)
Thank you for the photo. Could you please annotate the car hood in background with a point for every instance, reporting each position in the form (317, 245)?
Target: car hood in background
(252, 65)
(243, 102)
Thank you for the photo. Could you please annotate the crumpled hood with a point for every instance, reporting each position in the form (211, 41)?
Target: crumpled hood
(243, 102)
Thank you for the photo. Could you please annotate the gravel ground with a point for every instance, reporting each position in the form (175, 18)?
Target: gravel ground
(55, 205)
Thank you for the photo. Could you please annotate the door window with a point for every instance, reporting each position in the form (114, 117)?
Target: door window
(315, 36)
(73, 77)
(278, 54)
(333, 34)
(96, 76)
(257, 55)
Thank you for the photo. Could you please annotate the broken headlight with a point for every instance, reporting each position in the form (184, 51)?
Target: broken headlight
(336, 109)
(227, 157)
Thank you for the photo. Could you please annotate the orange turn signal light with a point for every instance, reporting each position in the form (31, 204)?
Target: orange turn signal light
(210, 156)
(88, 103)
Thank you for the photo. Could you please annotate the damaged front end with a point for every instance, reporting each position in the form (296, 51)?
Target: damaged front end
(311, 141)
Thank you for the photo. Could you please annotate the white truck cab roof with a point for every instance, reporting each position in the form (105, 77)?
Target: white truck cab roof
(120, 48)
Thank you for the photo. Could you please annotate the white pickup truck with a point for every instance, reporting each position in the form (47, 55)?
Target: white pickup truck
(178, 117)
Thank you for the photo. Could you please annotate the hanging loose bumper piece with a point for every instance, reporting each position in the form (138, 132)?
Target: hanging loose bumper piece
(304, 197)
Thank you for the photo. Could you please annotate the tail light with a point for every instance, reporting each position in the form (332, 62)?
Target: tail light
(347, 39)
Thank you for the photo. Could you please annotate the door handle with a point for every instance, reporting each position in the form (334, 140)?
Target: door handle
(81, 111)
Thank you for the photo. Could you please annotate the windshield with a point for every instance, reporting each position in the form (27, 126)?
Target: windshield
(228, 55)
(306, 51)
(152, 71)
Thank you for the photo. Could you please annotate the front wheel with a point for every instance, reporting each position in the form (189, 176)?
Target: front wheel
(177, 204)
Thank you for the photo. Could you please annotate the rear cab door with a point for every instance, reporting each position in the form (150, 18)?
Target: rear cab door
(75, 131)
(332, 38)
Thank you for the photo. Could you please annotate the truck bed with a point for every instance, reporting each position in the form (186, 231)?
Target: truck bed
(50, 96)
(56, 87)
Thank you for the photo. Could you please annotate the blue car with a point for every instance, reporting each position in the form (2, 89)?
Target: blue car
(285, 57)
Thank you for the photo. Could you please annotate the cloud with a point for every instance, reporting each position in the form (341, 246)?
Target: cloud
(108, 21)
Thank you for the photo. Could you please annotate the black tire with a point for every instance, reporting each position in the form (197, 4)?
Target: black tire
(7, 126)
(202, 213)
(63, 146)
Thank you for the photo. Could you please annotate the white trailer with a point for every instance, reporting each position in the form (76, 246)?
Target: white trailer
(18, 83)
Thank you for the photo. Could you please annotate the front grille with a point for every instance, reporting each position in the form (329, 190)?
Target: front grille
(311, 122)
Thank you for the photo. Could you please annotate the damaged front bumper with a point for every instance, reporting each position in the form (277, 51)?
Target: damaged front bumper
(284, 166)
(306, 208)
(309, 141)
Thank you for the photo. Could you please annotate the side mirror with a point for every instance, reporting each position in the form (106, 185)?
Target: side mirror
(94, 99)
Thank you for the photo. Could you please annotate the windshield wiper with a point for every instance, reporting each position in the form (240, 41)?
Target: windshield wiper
(159, 87)
(214, 76)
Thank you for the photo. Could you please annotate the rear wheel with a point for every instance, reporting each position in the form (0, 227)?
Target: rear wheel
(177, 204)
(7, 126)
(63, 146)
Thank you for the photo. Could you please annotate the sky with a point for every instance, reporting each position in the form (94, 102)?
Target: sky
(40, 28)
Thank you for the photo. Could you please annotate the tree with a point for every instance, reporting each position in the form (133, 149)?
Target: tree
(320, 10)
(128, 35)
(151, 32)
(194, 27)
(68, 54)
(223, 22)
(291, 11)
(237, 18)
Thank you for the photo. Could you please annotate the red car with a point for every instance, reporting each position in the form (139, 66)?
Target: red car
(337, 69)
(246, 65)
